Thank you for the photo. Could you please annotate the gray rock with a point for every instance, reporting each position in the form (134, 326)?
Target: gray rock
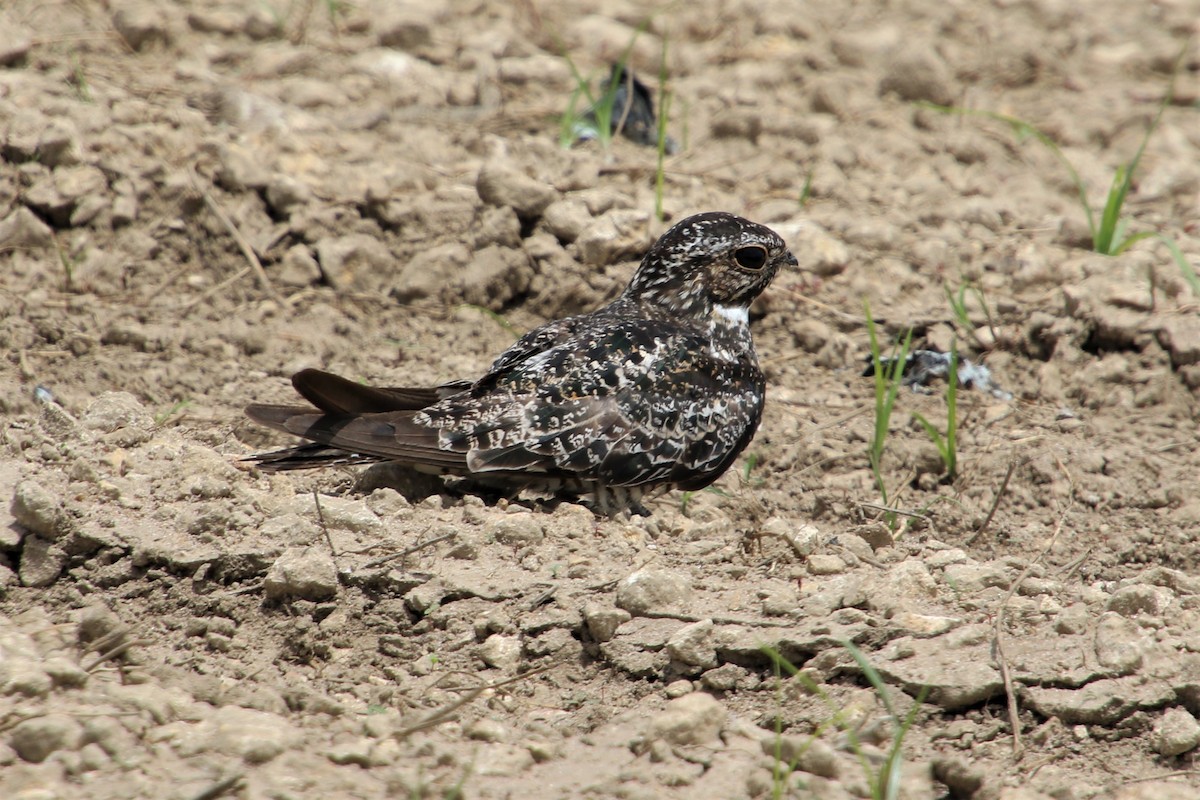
(426, 596)
(517, 529)
(285, 192)
(543, 70)
(826, 564)
(240, 170)
(41, 562)
(142, 26)
(903, 586)
(1131, 601)
(113, 410)
(488, 730)
(308, 573)
(960, 776)
(1103, 702)
(695, 718)
(1176, 733)
(971, 578)
(781, 602)
(603, 621)
(566, 219)
(79, 182)
(497, 226)
(494, 276)
(1074, 619)
(23, 676)
(924, 625)
(650, 590)
(58, 144)
(220, 21)
(24, 230)
(430, 270)
(737, 123)
(728, 678)
(500, 652)
(816, 248)
(39, 510)
(635, 661)
(298, 268)
(261, 24)
(1181, 337)
(353, 261)
(14, 43)
(804, 539)
(1176, 580)
(89, 209)
(35, 739)
(1120, 644)
(918, 74)
(403, 29)
(617, 235)
(693, 645)
(808, 753)
(254, 736)
(498, 184)
(956, 670)
(503, 760)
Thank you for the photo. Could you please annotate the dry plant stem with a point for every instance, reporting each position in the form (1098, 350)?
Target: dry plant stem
(115, 652)
(1014, 719)
(1181, 773)
(243, 245)
(893, 510)
(628, 102)
(757, 623)
(321, 521)
(220, 287)
(823, 306)
(220, 787)
(408, 551)
(444, 713)
(1012, 465)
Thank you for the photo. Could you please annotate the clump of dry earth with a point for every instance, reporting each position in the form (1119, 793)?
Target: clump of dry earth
(198, 199)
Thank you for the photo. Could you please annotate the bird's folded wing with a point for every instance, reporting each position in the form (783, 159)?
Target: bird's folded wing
(338, 395)
(391, 436)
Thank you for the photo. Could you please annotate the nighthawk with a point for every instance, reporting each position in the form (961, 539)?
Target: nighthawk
(661, 388)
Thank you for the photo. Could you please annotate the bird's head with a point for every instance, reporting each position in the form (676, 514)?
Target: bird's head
(708, 261)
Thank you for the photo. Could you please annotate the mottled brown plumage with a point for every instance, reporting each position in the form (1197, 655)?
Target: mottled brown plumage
(660, 388)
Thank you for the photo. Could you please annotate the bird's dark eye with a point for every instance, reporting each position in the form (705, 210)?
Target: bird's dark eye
(750, 257)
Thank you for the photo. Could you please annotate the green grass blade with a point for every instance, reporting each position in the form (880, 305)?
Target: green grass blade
(1130, 241)
(1102, 237)
(1023, 129)
(664, 108)
(951, 454)
(1189, 272)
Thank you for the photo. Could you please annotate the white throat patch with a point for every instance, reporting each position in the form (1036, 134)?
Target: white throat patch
(738, 315)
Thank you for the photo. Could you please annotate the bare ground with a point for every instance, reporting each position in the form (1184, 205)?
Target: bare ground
(198, 199)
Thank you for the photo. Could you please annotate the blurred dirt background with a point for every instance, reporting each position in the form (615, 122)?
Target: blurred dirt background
(199, 198)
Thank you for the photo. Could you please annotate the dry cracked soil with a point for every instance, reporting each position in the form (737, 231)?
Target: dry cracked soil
(199, 198)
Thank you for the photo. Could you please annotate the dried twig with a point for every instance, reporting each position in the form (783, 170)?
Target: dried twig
(893, 510)
(444, 713)
(220, 287)
(1012, 466)
(117, 645)
(220, 787)
(1014, 720)
(408, 551)
(242, 243)
(757, 623)
(321, 521)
